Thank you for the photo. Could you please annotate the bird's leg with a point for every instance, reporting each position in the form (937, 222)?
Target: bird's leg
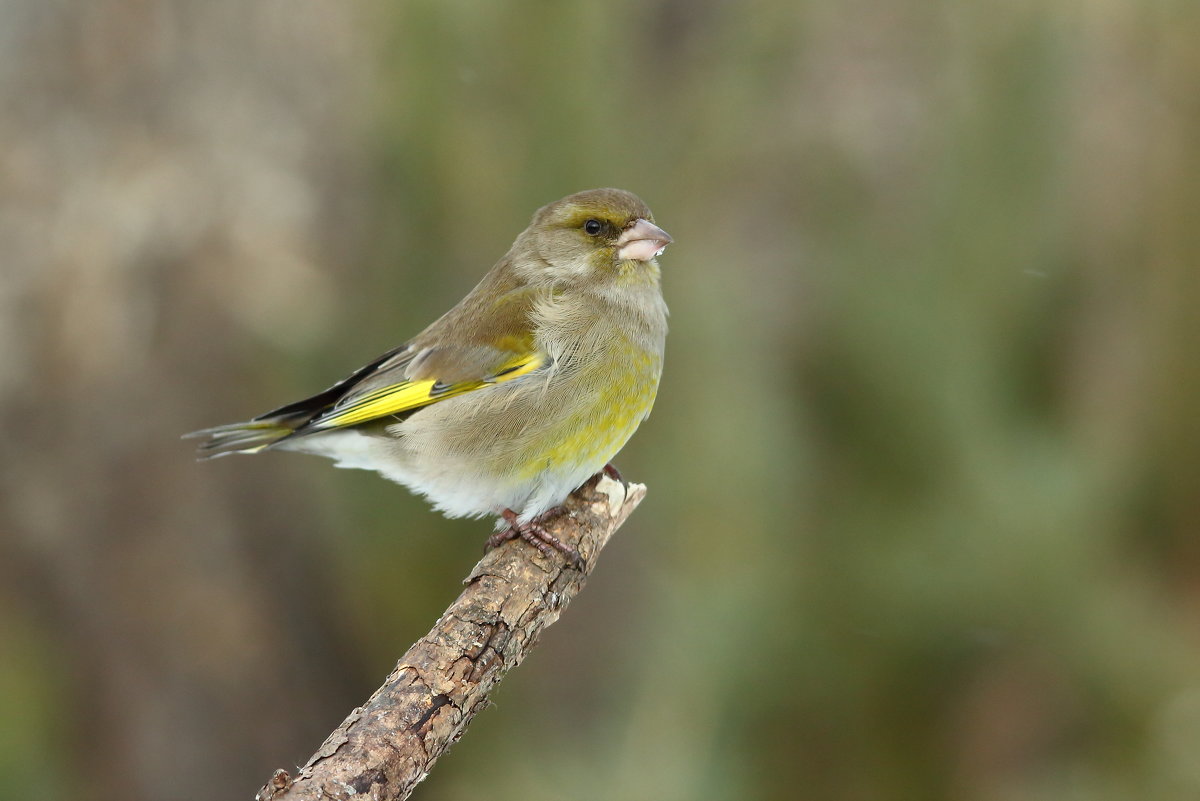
(612, 472)
(536, 535)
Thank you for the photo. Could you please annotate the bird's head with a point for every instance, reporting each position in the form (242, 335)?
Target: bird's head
(599, 234)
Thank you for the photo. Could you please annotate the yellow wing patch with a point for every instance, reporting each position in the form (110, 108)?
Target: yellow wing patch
(408, 395)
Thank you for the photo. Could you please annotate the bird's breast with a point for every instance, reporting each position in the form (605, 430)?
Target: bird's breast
(600, 386)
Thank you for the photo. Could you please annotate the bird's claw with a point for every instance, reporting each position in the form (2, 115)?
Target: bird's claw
(536, 535)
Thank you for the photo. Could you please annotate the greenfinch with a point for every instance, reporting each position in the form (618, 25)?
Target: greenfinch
(517, 395)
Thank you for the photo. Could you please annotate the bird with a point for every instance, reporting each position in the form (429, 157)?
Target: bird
(516, 396)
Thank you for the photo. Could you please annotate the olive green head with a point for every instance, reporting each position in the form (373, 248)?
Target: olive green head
(591, 235)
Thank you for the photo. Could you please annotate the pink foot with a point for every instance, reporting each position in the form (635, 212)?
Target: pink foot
(536, 535)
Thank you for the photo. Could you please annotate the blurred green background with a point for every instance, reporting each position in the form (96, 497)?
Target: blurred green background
(924, 469)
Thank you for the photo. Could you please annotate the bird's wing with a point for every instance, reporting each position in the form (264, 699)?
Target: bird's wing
(391, 387)
(421, 377)
(486, 339)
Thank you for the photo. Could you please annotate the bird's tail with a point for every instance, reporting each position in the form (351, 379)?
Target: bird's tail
(249, 437)
(293, 419)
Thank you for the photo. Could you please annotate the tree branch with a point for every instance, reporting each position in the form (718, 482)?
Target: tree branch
(387, 746)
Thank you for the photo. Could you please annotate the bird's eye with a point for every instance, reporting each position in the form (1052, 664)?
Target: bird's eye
(593, 227)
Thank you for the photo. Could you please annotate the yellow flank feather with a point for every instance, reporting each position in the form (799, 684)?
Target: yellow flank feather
(409, 395)
(601, 430)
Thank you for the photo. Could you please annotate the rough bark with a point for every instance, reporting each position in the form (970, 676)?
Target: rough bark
(388, 745)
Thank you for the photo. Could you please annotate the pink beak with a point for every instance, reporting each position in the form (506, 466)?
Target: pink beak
(642, 241)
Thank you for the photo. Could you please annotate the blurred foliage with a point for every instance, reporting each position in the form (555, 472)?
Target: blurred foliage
(924, 469)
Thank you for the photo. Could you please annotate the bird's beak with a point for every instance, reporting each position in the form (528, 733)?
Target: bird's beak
(642, 241)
